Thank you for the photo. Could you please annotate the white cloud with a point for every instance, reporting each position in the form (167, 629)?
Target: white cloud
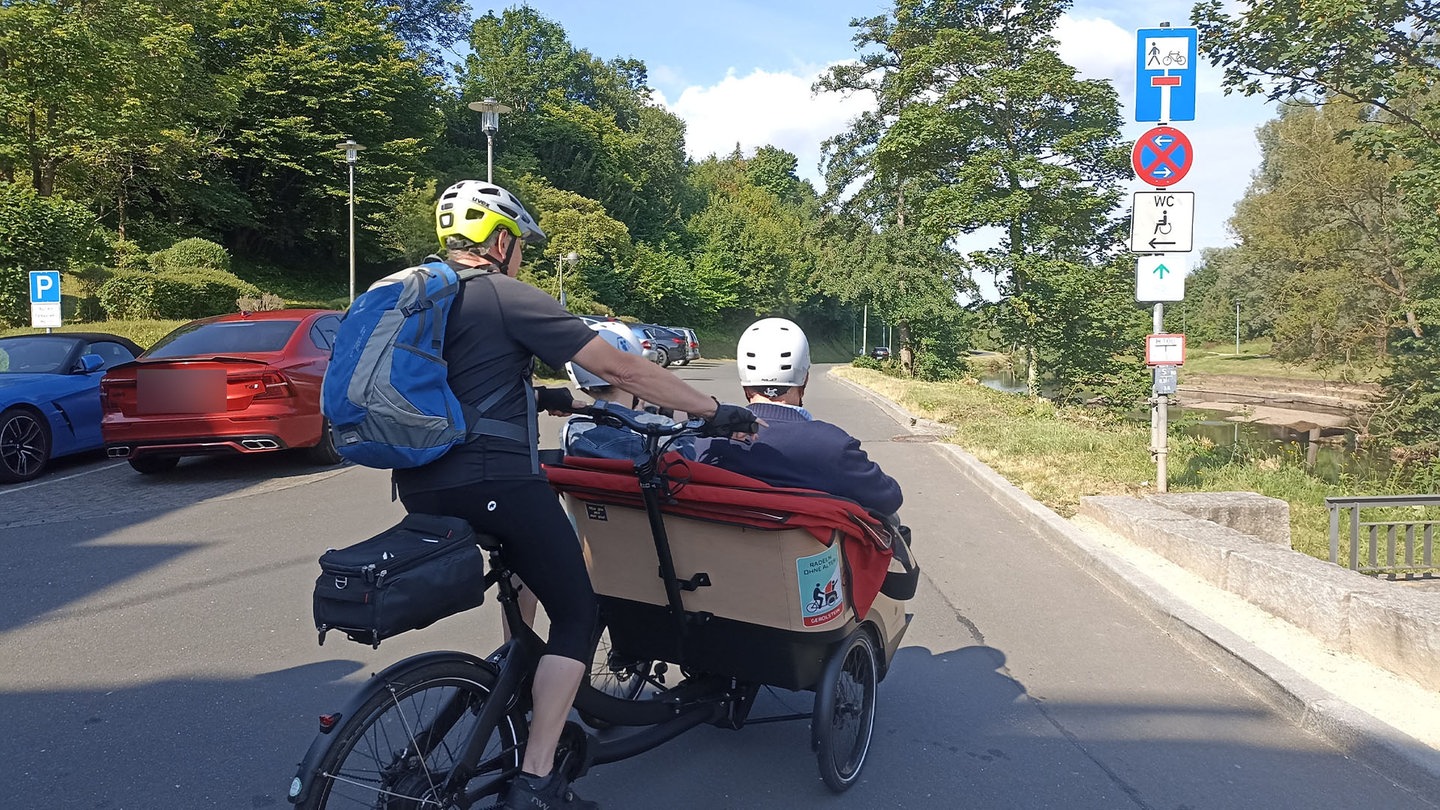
(764, 108)
(1098, 49)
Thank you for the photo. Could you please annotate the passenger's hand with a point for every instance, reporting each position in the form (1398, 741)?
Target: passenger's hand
(556, 401)
(733, 421)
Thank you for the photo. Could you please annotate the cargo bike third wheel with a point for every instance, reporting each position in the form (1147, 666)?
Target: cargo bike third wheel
(844, 715)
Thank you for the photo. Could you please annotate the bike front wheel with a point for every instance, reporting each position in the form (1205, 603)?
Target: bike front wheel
(399, 749)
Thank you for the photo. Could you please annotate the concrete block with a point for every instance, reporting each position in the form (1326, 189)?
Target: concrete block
(1126, 515)
(1246, 512)
(1400, 631)
(1198, 546)
(1309, 593)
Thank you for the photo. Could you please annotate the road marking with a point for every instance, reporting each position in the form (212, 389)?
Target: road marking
(58, 480)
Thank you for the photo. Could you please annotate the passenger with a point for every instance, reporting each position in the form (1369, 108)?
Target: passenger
(794, 449)
(582, 437)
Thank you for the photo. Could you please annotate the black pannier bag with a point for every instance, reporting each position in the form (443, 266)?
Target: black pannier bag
(407, 577)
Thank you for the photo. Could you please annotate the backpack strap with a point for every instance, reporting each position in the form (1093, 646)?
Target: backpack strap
(479, 425)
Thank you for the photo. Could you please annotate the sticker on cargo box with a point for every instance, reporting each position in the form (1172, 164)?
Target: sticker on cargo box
(596, 511)
(822, 595)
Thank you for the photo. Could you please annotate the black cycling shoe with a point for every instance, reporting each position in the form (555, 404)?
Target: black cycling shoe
(551, 792)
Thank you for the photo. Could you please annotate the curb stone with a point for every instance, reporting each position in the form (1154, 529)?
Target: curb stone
(1300, 700)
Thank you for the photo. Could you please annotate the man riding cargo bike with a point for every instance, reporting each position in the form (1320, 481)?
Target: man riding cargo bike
(450, 729)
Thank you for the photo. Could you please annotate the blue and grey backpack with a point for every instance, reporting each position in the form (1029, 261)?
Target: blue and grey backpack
(386, 391)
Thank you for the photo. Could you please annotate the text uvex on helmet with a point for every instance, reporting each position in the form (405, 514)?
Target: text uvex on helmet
(773, 351)
(473, 209)
(616, 334)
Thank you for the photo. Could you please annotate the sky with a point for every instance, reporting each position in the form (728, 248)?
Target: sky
(740, 71)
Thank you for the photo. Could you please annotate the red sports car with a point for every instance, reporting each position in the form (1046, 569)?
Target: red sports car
(246, 382)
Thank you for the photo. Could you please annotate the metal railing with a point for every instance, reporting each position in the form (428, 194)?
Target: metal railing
(1409, 543)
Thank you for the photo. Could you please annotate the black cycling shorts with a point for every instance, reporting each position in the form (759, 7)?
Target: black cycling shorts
(540, 546)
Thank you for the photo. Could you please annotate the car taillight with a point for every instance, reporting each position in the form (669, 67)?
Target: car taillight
(645, 344)
(104, 395)
(273, 385)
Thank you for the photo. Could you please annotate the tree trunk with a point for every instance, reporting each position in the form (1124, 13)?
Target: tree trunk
(907, 354)
(1032, 372)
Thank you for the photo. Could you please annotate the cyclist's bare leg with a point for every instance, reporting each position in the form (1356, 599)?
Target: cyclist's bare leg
(557, 679)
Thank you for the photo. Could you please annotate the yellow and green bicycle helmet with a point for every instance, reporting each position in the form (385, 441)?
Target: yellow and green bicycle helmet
(473, 209)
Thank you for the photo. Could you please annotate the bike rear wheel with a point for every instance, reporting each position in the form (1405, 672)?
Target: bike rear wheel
(398, 750)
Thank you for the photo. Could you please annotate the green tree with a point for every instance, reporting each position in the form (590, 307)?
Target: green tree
(1286, 50)
(980, 127)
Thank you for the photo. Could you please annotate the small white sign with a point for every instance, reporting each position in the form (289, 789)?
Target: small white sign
(1165, 350)
(45, 316)
(1161, 278)
(1162, 222)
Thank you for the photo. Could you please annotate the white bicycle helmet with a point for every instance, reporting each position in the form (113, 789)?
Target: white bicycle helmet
(473, 209)
(616, 334)
(773, 351)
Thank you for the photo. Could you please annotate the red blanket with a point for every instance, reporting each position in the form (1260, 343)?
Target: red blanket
(710, 493)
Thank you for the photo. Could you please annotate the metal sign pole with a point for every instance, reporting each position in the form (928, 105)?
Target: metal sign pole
(1161, 414)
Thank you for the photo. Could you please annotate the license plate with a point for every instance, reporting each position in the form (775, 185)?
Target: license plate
(200, 390)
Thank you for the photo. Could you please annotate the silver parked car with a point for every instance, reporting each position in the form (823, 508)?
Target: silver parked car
(692, 343)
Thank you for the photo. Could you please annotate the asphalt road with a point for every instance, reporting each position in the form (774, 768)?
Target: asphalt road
(158, 652)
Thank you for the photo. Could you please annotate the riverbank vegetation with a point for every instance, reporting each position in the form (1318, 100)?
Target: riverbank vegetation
(1059, 453)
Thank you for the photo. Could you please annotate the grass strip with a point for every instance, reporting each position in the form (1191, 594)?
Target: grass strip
(1057, 454)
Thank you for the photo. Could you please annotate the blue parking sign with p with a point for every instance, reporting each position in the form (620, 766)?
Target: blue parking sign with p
(44, 286)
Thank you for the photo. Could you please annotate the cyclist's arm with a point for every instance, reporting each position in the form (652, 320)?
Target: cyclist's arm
(643, 378)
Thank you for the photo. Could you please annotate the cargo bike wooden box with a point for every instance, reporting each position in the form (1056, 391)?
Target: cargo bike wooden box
(738, 584)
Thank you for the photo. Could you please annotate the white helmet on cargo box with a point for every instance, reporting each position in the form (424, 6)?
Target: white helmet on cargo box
(773, 351)
(616, 334)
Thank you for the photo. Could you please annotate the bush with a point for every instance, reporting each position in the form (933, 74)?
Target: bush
(200, 253)
(186, 292)
(36, 233)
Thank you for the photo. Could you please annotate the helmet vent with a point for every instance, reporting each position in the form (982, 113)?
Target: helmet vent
(785, 354)
(786, 367)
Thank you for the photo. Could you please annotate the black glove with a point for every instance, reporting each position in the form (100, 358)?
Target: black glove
(729, 419)
(554, 399)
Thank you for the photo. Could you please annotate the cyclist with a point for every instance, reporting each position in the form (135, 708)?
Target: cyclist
(583, 437)
(497, 326)
(795, 449)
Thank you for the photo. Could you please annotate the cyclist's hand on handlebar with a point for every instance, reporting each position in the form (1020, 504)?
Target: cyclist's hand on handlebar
(733, 421)
(557, 401)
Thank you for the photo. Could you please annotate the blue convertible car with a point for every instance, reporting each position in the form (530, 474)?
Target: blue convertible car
(50, 396)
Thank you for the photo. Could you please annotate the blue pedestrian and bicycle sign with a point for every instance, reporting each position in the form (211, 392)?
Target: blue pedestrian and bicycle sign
(1165, 74)
(1162, 156)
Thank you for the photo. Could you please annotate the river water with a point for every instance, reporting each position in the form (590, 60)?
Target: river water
(1335, 455)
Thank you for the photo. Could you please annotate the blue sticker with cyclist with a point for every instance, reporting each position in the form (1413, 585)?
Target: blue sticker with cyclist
(822, 595)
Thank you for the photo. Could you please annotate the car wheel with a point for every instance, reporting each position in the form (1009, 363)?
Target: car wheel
(664, 358)
(153, 465)
(324, 454)
(24, 445)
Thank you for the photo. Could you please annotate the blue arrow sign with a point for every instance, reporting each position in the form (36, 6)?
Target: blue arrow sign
(1165, 66)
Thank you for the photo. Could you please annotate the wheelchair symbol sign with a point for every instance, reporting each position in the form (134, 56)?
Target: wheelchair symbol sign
(1162, 156)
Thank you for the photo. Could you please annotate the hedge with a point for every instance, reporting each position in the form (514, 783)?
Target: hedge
(185, 292)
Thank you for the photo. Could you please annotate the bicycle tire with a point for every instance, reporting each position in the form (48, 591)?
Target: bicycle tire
(844, 718)
(376, 760)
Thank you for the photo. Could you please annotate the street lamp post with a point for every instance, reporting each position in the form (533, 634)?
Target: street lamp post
(572, 258)
(490, 111)
(352, 156)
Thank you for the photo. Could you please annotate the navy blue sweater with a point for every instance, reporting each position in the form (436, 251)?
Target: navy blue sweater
(792, 451)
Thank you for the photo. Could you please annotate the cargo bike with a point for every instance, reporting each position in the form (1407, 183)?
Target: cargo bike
(736, 584)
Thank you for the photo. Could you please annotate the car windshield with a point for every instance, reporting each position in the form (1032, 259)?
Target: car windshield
(37, 355)
(212, 338)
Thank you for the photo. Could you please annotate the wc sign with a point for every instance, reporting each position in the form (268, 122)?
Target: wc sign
(44, 298)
